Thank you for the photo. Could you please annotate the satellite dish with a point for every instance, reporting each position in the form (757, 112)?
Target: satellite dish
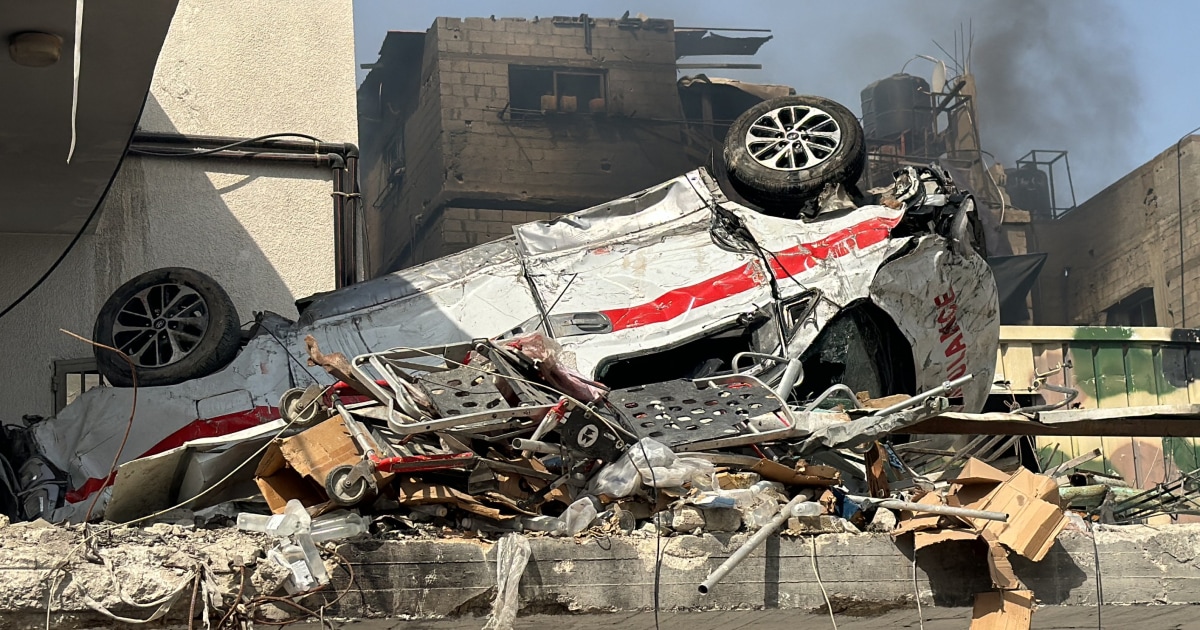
(938, 84)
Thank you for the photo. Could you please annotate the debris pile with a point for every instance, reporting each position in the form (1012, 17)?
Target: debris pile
(499, 436)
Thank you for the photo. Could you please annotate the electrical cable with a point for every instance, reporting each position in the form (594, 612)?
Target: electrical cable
(1179, 203)
(67, 250)
(917, 591)
(1099, 581)
(226, 147)
(828, 604)
(657, 538)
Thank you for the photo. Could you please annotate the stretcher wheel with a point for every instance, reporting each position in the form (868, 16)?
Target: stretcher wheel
(348, 494)
(291, 411)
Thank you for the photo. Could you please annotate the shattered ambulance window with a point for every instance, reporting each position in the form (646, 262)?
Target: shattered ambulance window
(535, 91)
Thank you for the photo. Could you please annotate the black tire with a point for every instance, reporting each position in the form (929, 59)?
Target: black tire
(783, 190)
(201, 351)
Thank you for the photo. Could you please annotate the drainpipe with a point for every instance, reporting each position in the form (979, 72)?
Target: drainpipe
(340, 157)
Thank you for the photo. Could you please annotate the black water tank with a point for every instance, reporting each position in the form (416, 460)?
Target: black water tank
(895, 105)
(1028, 188)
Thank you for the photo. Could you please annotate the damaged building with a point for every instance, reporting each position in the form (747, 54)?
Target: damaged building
(478, 124)
(1126, 256)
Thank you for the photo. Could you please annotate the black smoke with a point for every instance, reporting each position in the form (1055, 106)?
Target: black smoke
(1054, 75)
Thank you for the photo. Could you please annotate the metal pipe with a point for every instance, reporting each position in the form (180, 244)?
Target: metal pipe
(339, 224)
(947, 510)
(151, 149)
(922, 397)
(765, 532)
(831, 391)
(537, 446)
(345, 149)
(791, 376)
(354, 203)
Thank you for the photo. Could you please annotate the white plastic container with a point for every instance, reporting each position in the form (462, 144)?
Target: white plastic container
(312, 557)
(338, 525)
(292, 557)
(294, 519)
(807, 508)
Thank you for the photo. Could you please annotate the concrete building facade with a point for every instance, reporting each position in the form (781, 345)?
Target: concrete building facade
(263, 230)
(1130, 255)
(479, 124)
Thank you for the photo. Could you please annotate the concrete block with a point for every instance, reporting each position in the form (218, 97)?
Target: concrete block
(514, 216)
(686, 518)
(491, 48)
(719, 520)
(884, 521)
(541, 50)
(823, 524)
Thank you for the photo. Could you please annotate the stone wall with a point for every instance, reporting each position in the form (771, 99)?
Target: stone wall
(475, 152)
(1123, 239)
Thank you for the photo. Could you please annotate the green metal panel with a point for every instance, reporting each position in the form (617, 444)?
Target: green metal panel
(1141, 375)
(1112, 385)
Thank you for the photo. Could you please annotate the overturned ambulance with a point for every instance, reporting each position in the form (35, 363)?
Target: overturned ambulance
(773, 265)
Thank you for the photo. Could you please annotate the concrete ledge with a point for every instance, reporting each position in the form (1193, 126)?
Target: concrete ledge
(864, 574)
(448, 583)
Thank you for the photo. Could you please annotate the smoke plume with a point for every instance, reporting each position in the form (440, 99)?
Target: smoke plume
(1049, 74)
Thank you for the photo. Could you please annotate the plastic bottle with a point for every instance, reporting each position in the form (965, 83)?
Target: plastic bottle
(544, 524)
(429, 510)
(294, 518)
(807, 508)
(338, 525)
(761, 514)
(292, 557)
(312, 557)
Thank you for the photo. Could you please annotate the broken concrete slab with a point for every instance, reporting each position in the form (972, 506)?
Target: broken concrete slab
(427, 578)
(613, 576)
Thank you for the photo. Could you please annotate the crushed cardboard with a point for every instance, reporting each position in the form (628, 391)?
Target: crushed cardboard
(1002, 610)
(296, 467)
(925, 538)
(1031, 501)
(1000, 569)
(803, 474)
(413, 491)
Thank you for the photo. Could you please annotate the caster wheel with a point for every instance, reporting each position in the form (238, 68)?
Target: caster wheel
(291, 410)
(345, 492)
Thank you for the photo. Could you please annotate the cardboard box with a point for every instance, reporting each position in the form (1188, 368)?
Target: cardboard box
(1033, 522)
(296, 467)
(1002, 610)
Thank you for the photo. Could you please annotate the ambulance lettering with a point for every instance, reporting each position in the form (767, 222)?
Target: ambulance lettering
(950, 337)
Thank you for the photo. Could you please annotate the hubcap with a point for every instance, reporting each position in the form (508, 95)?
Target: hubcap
(160, 325)
(793, 138)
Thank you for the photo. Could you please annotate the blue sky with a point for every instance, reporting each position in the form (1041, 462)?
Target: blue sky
(1115, 83)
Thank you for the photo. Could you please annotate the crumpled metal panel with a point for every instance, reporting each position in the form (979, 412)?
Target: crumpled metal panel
(946, 306)
(655, 207)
